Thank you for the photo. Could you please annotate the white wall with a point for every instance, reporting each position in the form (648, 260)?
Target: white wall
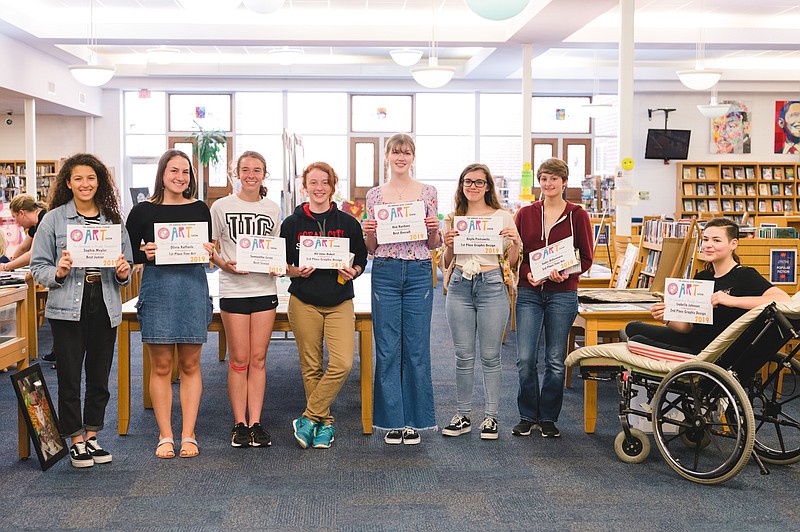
(660, 179)
(56, 137)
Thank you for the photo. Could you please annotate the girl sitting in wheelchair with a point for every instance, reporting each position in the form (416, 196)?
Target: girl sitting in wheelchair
(737, 289)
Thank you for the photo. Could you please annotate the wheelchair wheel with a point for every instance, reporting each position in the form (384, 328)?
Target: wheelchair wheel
(698, 401)
(776, 408)
(633, 451)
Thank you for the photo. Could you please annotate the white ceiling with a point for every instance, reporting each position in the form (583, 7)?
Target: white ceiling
(755, 42)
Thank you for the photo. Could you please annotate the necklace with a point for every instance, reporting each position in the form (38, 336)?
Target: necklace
(400, 192)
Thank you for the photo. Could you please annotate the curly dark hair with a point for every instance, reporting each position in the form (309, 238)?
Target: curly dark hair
(107, 196)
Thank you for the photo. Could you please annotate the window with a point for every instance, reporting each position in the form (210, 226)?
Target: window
(145, 115)
(381, 114)
(210, 111)
(259, 113)
(559, 115)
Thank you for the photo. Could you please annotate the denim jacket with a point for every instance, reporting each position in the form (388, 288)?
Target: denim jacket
(64, 299)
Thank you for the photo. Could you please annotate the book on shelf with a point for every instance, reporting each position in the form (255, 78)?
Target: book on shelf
(701, 206)
(738, 172)
(776, 232)
(777, 206)
(750, 205)
(762, 205)
(751, 189)
(763, 189)
(787, 189)
(787, 205)
(726, 205)
(727, 189)
(738, 189)
(766, 173)
(738, 205)
(687, 172)
(747, 232)
(775, 190)
(701, 173)
(778, 172)
(750, 172)
(726, 172)
(712, 189)
(789, 172)
(687, 205)
(701, 189)
(713, 205)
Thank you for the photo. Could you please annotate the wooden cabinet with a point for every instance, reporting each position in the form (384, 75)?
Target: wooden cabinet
(733, 189)
(13, 179)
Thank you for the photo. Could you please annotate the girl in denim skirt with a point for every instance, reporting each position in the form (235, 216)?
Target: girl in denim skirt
(477, 299)
(83, 304)
(174, 307)
(402, 304)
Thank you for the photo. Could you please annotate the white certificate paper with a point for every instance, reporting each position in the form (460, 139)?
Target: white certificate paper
(323, 252)
(96, 246)
(688, 300)
(557, 256)
(401, 222)
(261, 254)
(479, 235)
(181, 243)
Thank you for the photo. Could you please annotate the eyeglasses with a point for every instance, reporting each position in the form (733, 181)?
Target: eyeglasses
(480, 183)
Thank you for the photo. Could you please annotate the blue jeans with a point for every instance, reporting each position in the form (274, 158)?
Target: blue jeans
(546, 316)
(402, 304)
(481, 306)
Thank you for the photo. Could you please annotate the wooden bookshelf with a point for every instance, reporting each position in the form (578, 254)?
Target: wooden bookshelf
(13, 179)
(732, 189)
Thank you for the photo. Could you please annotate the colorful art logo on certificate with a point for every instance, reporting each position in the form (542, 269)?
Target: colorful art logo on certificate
(95, 246)
(479, 235)
(261, 254)
(325, 253)
(400, 222)
(181, 243)
(688, 300)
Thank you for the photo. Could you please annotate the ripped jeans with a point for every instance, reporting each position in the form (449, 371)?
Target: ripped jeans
(402, 304)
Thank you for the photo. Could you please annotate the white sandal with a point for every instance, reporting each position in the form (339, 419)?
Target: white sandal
(171, 453)
(187, 454)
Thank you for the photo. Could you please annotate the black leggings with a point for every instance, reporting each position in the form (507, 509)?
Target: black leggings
(662, 337)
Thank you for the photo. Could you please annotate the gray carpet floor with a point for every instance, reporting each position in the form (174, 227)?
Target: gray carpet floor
(571, 483)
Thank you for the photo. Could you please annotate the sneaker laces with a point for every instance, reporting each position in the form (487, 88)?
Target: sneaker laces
(457, 420)
(95, 445)
(408, 431)
(489, 423)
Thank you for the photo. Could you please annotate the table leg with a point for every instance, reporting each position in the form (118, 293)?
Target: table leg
(590, 386)
(364, 327)
(146, 377)
(123, 377)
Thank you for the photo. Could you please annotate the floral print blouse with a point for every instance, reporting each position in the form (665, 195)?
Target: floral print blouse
(418, 250)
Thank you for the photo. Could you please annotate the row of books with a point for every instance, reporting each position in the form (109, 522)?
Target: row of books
(742, 172)
(741, 205)
(740, 189)
(654, 231)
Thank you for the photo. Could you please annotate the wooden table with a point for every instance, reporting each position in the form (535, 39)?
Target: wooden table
(15, 350)
(363, 326)
(594, 322)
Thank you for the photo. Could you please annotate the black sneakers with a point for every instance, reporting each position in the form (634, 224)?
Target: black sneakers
(411, 436)
(489, 429)
(394, 437)
(98, 454)
(549, 429)
(523, 428)
(259, 437)
(79, 456)
(458, 425)
(240, 436)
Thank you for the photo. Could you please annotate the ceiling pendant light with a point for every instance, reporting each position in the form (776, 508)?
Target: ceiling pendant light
(714, 109)
(699, 78)
(263, 6)
(433, 76)
(163, 55)
(406, 56)
(92, 73)
(497, 9)
(286, 55)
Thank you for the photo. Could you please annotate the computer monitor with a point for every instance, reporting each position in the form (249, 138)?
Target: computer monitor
(667, 144)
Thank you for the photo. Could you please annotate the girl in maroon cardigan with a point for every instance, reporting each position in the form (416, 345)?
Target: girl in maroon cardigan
(550, 304)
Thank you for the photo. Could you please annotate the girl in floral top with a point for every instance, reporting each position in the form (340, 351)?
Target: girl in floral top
(402, 304)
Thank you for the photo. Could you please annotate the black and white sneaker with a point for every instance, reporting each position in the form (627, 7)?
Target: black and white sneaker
(410, 436)
(458, 425)
(79, 456)
(394, 437)
(489, 429)
(259, 437)
(523, 428)
(549, 429)
(240, 436)
(99, 455)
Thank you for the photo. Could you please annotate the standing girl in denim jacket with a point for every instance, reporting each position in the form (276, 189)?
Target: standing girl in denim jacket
(477, 300)
(402, 304)
(83, 304)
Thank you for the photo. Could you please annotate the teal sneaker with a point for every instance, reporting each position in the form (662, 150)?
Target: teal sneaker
(304, 431)
(323, 436)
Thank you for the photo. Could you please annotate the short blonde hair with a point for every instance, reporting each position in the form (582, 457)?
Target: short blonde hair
(24, 202)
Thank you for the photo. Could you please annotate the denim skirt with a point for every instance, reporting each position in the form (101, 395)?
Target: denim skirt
(174, 306)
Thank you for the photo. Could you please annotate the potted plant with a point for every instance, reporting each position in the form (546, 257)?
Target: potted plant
(207, 144)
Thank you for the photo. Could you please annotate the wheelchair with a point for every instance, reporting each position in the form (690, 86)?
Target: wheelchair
(710, 413)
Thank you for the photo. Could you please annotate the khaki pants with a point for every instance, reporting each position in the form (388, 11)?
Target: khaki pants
(336, 325)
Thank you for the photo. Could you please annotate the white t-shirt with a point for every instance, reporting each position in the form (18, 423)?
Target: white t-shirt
(485, 260)
(231, 217)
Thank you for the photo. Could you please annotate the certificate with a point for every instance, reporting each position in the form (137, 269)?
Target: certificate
(181, 243)
(261, 254)
(688, 300)
(94, 245)
(323, 252)
(479, 235)
(401, 222)
(557, 256)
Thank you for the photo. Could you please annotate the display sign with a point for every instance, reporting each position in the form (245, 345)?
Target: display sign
(783, 266)
(323, 252)
(401, 222)
(96, 246)
(261, 254)
(557, 256)
(688, 300)
(181, 243)
(479, 235)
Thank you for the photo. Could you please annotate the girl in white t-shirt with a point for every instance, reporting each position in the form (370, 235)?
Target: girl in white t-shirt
(247, 300)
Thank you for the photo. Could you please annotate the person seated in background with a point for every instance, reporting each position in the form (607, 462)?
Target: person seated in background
(737, 289)
(28, 213)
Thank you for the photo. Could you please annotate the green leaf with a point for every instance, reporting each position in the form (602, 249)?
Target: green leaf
(207, 144)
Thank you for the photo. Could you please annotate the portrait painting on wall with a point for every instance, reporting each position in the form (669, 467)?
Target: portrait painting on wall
(730, 133)
(787, 126)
